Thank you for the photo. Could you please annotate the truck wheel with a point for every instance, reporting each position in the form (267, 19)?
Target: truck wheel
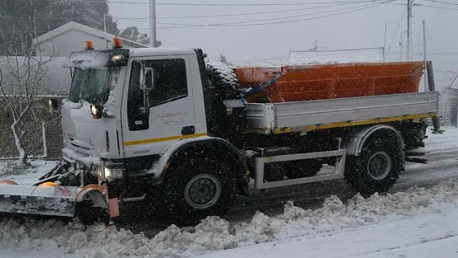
(198, 188)
(303, 168)
(377, 168)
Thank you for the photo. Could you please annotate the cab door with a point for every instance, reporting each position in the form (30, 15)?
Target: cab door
(165, 112)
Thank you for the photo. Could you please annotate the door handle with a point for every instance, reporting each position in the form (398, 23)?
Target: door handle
(187, 130)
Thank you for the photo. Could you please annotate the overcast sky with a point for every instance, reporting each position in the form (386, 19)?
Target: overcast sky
(344, 24)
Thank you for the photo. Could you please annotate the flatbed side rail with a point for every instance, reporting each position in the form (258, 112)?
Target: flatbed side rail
(330, 113)
(338, 174)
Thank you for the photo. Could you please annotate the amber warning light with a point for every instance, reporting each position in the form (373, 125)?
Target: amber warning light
(88, 45)
(117, 43)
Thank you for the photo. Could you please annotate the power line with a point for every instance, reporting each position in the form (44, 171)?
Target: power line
(259, 20)
(278, 22)
(434, 46)
(252, 13)
(399, 26)
(267, 4)
(439, 7)
(49, 18)
(142, 19)
(245, 4)
(431, 53)
(445, 71)
(441, 2)
(217, 24)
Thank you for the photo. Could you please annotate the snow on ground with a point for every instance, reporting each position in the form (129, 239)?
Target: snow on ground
(419, 222)
(360, 226)
(28, 176)
(417, 235)
(447, 140)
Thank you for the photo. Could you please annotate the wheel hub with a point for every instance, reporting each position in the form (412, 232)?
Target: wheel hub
(379, 165)
(202, 191)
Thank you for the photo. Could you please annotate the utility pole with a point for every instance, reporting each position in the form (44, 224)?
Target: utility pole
(152, 24)
(384, 41)
(107, 42)
(409, 29)
(424, 54)
(400, 50)
(104, 23)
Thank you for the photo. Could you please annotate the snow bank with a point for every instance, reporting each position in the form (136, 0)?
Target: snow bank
(25, 176)
(215, 233)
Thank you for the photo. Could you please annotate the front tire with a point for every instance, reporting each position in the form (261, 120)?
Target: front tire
(198, 188)
(377, 168)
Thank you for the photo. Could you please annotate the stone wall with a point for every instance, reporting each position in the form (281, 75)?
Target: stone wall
(34, 138)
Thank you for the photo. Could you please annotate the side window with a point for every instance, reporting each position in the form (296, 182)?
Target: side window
(169, 81)
(135, 100)
(169, 84)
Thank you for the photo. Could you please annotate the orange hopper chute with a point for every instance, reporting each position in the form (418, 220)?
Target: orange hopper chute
(311, 82)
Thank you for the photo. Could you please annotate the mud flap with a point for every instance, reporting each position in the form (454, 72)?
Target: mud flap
(99, 200)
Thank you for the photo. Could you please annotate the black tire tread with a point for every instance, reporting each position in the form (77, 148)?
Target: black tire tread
(355, 172)
(173, 190)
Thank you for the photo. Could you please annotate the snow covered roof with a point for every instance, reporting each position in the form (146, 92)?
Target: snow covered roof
(160, 51)
(86, 29)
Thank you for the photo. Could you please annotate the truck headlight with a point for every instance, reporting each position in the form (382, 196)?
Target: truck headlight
(113, 173)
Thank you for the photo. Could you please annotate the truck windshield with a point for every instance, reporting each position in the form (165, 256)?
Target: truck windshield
(93, 85)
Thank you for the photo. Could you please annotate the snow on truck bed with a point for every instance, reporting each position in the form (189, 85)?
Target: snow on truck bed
(419, 222)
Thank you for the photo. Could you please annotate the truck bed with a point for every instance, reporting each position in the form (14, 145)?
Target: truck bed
(302, 116)
(331, 81)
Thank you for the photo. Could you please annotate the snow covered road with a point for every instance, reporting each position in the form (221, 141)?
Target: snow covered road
(417, 235)
(409, 222)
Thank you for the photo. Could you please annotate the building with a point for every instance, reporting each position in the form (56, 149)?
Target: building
(55, 45)
(449, 106)
(71, 37)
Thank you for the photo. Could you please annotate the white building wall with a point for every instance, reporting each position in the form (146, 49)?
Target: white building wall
(73, 40)
(446, 102)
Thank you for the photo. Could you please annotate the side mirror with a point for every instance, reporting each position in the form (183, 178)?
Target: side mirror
(147, 79)
(96, 111)
(53, 105)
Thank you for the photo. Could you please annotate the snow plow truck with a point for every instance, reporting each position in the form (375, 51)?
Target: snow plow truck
(166, 127)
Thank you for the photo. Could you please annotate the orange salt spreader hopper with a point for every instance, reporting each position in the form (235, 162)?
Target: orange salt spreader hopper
(311, 82)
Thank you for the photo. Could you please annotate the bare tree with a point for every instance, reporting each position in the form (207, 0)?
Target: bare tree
(22, 77)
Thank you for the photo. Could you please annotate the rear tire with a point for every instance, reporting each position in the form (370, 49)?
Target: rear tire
(377, 168)
(198, 188)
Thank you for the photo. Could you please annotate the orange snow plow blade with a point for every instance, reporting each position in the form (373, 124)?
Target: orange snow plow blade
(45, 199)
(50, 199)
(311, 82)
